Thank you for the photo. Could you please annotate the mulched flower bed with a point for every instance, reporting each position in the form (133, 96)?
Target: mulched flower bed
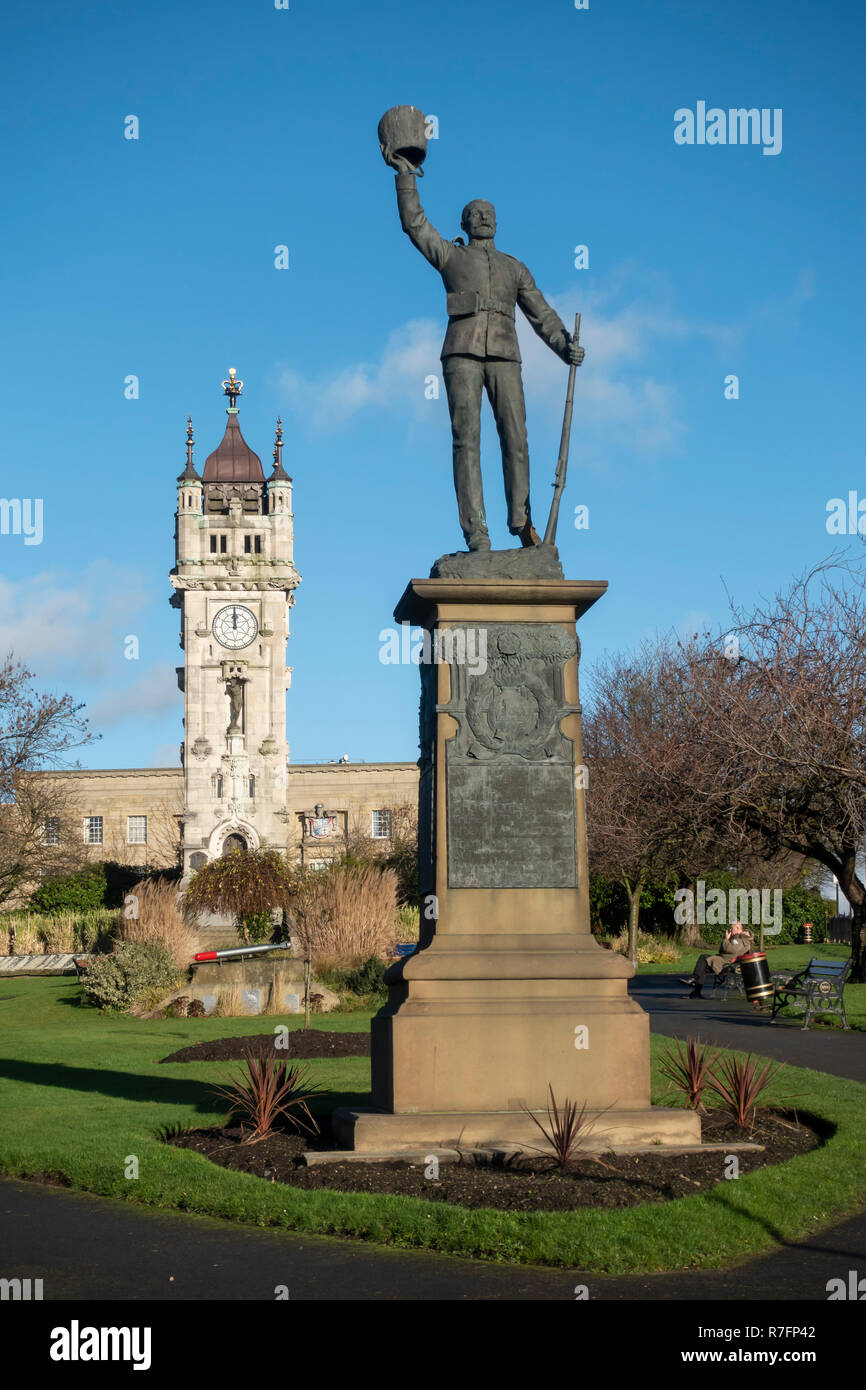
(626, 1180)
(303, 1042)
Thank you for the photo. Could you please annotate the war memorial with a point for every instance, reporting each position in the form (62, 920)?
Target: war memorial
(508, 996)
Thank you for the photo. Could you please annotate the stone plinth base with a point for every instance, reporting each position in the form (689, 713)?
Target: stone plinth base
(509, 995)
(376, 1132)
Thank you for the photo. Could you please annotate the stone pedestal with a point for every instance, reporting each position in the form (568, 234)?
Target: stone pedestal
(509, 993)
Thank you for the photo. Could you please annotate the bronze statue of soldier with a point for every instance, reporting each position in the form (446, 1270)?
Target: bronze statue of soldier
(480, 351)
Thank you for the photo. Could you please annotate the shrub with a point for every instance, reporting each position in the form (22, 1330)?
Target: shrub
(153, 917)
(801, 905)
(247, 882)
(609, 906)
(255, 928)
(136, 973)
(78, 892)
(651, 950)
(363, 979)
(120, 879)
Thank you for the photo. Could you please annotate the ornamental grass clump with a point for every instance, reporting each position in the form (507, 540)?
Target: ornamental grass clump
(346, 910)
(152, 916)
(740, 1081)
(691, 1070)
(269, 1090)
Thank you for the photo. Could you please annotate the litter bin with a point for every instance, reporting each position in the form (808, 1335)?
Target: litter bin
(756, 976)
(806, 933)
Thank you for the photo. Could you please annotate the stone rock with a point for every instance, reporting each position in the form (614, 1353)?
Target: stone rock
(532, 562)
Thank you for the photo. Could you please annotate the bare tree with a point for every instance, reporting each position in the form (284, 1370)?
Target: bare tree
(39, 826)
(635, 830)
(767, 729)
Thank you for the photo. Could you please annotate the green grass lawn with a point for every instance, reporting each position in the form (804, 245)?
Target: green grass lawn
(791, 958)
(81, 1092)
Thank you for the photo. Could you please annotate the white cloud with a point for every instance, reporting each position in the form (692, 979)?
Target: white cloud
(58, 629)
(396, 381)
(150, 696)
(621, 394)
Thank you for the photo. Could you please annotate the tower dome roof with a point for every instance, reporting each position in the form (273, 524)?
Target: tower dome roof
(233, 461)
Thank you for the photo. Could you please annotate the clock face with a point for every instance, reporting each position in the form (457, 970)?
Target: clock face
(235, 626)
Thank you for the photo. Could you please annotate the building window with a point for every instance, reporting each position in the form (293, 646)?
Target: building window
(381, 825)
(252, 787)
(197, 860)
(213, 545)
(258, 546)
(93, 830)
(217, 783)
(136, 830)
(51, 831)
(223, 540)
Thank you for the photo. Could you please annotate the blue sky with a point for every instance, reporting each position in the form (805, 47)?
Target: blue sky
(155, 257)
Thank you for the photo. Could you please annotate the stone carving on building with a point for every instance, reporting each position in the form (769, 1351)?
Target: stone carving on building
(235, 691)
(319, 824)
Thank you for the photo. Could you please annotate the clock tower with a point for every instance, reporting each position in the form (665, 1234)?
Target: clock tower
(234, 582)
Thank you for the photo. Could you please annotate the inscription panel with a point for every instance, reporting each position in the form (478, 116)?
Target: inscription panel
(511, 814)
(511, 824)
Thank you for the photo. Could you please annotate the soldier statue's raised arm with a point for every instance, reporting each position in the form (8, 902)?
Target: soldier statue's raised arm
(480, 350)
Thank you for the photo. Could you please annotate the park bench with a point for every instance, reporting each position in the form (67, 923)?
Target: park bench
(819, 989)
(729, 979)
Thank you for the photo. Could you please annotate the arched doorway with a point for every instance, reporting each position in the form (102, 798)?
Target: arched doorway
(233, 842)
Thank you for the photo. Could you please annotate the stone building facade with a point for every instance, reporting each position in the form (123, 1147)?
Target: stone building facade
(135, 815)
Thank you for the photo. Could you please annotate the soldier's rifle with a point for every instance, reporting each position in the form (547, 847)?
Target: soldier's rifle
(562, 461)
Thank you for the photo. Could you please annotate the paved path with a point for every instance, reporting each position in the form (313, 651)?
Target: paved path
(92, 1248)
(737, 1024)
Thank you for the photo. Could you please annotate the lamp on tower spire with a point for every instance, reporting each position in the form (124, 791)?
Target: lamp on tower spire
(233, 388)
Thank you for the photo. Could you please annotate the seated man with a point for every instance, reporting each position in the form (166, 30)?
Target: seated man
(736, 942)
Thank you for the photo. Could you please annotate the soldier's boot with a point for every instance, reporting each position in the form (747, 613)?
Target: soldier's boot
(529, 536)
(478, 540)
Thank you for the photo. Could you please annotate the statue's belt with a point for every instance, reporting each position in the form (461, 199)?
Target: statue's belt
(462, 302)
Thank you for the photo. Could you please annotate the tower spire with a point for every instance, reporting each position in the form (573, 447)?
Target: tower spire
(189, 474)
(279, 474)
